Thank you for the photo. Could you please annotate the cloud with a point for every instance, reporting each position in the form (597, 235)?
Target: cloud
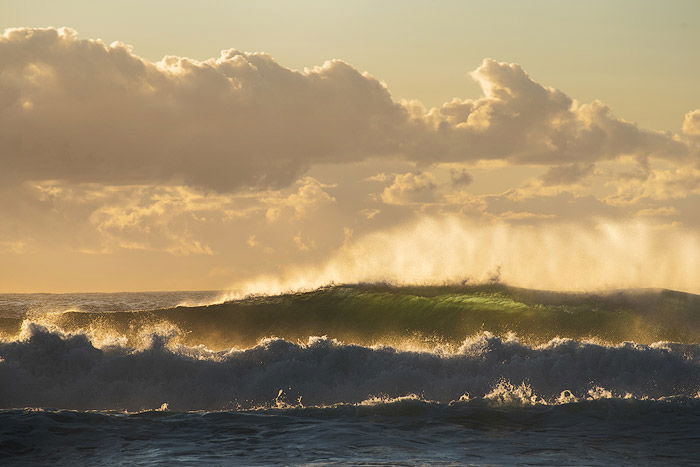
(252, 241)
(559, 206)
(691, 123)
(156, 219)
(370, 214)
(12, 247)
(309, 197)
(178, 220)
(523, 122)
(662, 211)
(524, 216)
(303, 244)
(658, 185)
(83, 111)
(410, 188)
(567, 174)
(460, 177)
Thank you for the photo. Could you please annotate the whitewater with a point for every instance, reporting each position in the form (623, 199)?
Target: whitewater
(352, 374)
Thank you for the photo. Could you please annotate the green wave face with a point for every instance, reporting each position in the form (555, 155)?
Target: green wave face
(384, 314)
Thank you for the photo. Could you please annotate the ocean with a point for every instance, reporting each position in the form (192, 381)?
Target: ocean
(364, 374)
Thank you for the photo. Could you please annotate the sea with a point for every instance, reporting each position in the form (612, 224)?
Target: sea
(358, 374)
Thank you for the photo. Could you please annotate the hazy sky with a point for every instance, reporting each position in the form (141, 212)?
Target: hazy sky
(335, 139)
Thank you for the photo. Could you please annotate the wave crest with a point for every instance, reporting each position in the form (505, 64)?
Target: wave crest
(403, 317)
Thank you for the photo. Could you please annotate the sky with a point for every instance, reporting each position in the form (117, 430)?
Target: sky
(266, 145)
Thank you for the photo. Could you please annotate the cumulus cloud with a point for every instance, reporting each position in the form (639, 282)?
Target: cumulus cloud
(309, 197)
(522, 121)
(658, 185)
(691, 123)
(410, 188)
(150, 218)
(84, 111)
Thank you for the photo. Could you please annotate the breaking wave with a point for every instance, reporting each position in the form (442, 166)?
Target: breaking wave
(403, 317)
(482, 344)
(46, 368)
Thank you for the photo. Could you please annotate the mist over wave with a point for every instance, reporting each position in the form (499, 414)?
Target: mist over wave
(451, 250)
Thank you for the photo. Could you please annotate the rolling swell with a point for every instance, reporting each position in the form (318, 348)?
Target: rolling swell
(382, 314)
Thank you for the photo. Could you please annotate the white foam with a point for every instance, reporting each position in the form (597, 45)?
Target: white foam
(49, 369)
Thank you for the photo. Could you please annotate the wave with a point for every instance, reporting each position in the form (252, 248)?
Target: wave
(475, 413)
(47, 368)
(404, 317)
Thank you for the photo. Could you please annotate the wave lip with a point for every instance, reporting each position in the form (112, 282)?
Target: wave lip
(52, 369)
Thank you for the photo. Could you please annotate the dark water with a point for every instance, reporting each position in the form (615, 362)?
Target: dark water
(20, 305)
(417, 376)
(604, 432)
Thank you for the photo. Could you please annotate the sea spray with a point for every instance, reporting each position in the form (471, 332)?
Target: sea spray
(564, 257)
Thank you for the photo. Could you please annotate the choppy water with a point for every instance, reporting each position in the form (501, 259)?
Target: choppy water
(412, 375)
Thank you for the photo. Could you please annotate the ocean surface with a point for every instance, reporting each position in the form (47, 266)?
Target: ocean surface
(368, 374)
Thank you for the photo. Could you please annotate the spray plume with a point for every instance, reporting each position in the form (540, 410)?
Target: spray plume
(450, 250)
